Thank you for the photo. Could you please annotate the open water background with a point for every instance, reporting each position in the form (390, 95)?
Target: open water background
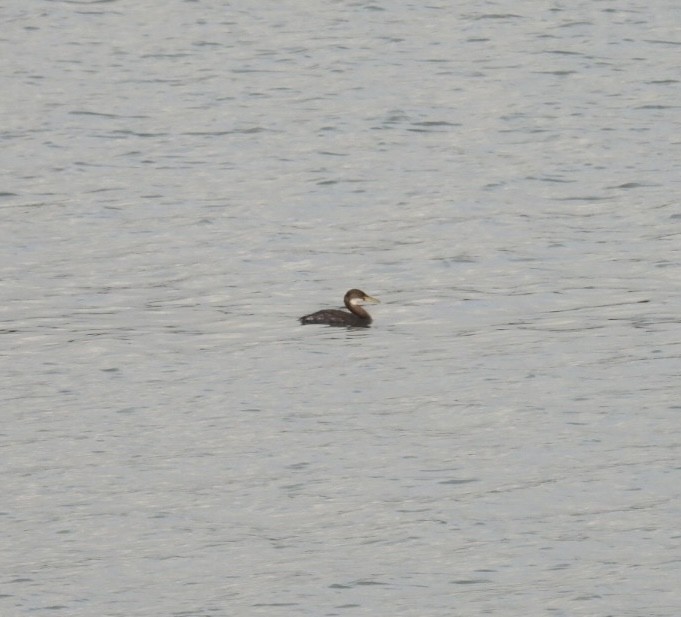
(182, 180)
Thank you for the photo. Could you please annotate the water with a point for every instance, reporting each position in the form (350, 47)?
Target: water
(182, 181)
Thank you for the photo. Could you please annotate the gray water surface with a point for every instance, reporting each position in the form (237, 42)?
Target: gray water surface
(182, 180)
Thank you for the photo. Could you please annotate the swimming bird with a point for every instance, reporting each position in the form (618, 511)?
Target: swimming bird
(357, 317)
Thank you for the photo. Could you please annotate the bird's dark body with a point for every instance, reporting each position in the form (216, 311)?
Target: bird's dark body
(336, 317)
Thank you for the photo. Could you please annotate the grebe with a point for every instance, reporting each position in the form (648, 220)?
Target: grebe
(357, 317)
